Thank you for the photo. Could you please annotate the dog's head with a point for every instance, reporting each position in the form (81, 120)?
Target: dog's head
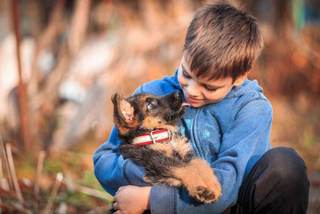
(146, 111)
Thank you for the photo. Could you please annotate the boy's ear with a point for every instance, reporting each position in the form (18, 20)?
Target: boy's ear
(124, 114)
(240, 79)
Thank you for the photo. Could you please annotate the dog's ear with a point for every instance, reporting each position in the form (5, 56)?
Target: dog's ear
(124, 114)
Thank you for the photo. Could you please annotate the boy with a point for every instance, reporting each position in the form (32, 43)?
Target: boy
(228, 124)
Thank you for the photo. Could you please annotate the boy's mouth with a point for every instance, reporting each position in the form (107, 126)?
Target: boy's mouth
(191, 100)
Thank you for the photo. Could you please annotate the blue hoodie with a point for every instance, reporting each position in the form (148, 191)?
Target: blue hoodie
(231, 135)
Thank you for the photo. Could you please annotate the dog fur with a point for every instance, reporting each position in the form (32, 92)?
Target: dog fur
(172, 163)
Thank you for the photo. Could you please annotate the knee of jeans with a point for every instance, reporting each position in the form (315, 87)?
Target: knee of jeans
(286, 166)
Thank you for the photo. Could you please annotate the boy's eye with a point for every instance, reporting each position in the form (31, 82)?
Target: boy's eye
(185, 74)
(210, 89)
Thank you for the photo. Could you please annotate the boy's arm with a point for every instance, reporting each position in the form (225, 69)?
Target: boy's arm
(111, 170)
(241, 146)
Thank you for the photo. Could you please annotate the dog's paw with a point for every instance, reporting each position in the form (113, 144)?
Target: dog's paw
(203, 194)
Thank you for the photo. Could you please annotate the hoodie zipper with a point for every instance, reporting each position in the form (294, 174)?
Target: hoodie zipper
(195, 135)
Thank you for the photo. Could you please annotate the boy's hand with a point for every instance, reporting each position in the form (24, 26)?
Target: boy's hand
(131, 200)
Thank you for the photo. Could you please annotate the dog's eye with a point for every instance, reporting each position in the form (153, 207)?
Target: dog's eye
(151, 104)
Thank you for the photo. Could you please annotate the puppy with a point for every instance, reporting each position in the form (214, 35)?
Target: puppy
(147, 127)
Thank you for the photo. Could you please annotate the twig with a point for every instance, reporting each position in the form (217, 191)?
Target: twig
(1, 168)
(40, 162)
(92, 192)
(6, 167)
(1, 174)
(23, 97)
(79, 24)
(3, 182)
(37, 178)
(20, 208)
(13, 173)
(45, 42)
(54, 192)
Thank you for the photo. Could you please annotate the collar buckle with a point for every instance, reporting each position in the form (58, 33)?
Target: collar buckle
(152, 136)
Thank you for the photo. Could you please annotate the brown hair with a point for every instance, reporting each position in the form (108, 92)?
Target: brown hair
(222, 41)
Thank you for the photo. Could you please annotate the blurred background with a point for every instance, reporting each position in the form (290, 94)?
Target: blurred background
(61, 60)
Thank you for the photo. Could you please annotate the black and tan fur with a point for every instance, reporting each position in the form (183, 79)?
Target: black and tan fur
(171, 163)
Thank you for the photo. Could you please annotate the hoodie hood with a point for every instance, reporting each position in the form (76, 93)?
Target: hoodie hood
(247, 87)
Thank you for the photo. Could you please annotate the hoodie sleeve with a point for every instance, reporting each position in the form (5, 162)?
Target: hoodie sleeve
(242, 144)
(111, 170)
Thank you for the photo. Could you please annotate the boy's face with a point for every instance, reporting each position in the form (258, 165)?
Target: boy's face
(199, 92)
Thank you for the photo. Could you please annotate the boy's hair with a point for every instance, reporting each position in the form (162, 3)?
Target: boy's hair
(222, 41)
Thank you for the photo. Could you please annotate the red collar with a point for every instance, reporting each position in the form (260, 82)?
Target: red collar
(155, 136)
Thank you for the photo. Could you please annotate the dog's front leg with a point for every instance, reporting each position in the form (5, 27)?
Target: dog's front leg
(203, 190)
